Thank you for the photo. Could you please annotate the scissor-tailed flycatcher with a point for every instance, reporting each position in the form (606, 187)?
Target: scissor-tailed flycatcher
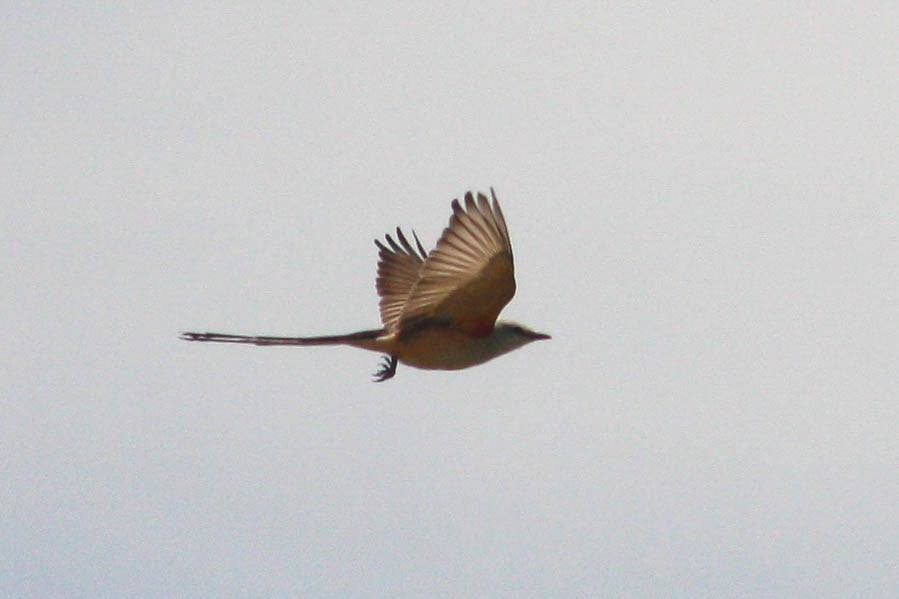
(439, 310)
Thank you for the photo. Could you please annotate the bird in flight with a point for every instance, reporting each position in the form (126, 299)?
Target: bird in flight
(439, 309)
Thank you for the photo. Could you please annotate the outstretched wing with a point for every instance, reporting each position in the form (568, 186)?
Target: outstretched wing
(468, 278)
(399, 265)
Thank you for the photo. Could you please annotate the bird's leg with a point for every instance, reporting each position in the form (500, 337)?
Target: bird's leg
(387, 369)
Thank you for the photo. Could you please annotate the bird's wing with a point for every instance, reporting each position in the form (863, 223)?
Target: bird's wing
(468, 278)
(398, 270)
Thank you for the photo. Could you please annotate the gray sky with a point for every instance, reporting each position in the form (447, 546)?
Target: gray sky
(703, 204)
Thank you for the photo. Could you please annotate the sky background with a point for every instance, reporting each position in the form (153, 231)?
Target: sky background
(704, 206)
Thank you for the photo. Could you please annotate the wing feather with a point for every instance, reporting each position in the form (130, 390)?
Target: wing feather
(398, 271)
(469, 277)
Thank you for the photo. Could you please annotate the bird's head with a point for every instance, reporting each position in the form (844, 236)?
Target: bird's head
(511, 335)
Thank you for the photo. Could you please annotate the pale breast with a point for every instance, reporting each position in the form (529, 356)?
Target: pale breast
(444, 348)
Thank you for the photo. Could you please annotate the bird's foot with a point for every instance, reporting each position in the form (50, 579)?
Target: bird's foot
(387, 369)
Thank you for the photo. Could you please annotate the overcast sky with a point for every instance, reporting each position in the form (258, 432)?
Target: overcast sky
(704, 206)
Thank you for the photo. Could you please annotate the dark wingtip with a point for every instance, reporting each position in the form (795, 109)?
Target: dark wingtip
(421, 250)
(470, 204)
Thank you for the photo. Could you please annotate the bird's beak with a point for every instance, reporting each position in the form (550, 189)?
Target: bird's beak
(538, 336)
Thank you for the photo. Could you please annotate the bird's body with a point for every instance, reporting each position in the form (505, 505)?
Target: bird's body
(446, 348)
(438, 309)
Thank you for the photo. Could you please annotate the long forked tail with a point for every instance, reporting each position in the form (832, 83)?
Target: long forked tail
(361, 339)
